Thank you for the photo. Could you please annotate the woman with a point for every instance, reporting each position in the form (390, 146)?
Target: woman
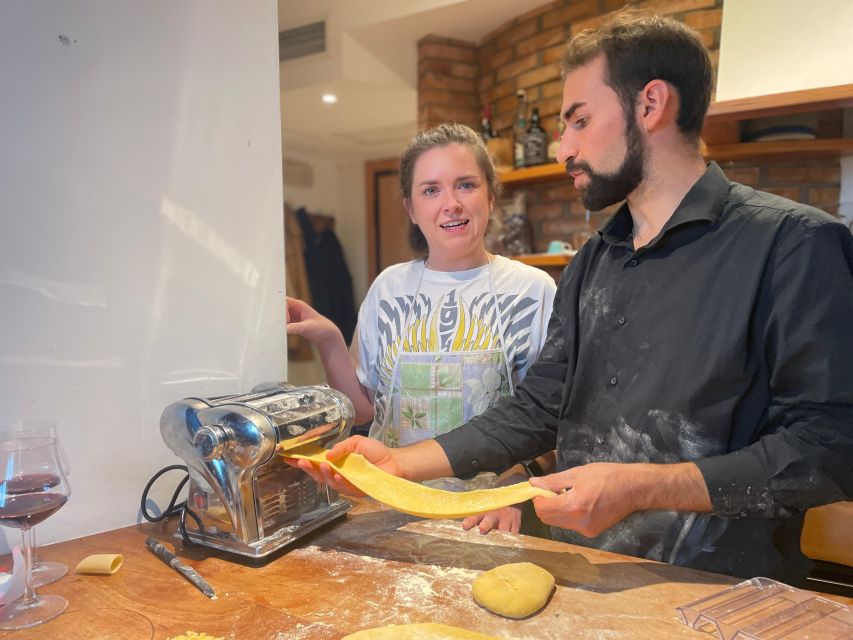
(440, 338)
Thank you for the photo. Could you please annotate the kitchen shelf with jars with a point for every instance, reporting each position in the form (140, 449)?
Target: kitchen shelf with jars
(722, 132)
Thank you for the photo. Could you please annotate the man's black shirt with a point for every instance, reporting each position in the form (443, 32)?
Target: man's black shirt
(726, 341)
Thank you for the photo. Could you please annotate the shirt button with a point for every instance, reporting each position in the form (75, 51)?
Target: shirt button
(613, 380)
(633, 262)
(475, 464)
(622, 320)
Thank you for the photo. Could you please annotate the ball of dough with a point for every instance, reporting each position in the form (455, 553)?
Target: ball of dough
(513, 590)
(426, 631)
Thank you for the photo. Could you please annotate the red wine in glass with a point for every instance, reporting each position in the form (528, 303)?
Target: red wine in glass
(24, 511)
(29, 483)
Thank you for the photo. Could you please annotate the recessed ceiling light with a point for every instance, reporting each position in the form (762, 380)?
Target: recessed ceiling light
(330, 98)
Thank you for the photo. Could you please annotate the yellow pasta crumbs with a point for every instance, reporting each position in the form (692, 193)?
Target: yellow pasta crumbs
(192, 635)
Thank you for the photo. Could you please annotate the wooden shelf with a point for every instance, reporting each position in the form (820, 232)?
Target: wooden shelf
(722, 123)
(545, 259)
(737, 152)
(781, 150)
(529, 175)
(721, 133)
(780, 104)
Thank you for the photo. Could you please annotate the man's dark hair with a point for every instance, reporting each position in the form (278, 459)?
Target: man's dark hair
(638, 48)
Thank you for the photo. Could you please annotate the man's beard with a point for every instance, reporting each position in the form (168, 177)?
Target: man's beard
(602, 189)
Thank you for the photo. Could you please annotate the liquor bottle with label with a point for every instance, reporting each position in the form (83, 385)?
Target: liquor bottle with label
(554, 145)
(535, 142)
(487, 131)
(519, 129)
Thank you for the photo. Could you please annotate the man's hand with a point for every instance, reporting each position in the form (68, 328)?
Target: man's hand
(373, 451)
(594, 497)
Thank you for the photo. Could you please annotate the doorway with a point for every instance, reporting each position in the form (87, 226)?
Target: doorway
(387, 221)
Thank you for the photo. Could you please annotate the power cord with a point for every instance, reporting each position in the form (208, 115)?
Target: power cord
(175, 508)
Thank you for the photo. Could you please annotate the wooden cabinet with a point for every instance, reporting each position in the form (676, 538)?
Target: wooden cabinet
(722, 125)
(828, 532)
(721, 133)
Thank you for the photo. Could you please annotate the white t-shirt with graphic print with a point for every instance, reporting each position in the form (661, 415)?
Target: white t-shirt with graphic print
(449, 305)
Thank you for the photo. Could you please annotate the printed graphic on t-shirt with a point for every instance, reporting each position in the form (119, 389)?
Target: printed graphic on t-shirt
(440, 392)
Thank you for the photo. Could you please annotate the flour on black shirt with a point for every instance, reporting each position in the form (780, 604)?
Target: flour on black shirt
(725, 341)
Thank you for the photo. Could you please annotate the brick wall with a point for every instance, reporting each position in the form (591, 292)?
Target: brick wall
(457, 78)
(447, 82)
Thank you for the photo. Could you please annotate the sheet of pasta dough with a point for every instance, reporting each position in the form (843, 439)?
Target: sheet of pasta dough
(413, 498)
(425, 631)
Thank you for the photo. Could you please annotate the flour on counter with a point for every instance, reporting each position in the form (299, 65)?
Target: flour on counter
(315, 631)
(410, 594)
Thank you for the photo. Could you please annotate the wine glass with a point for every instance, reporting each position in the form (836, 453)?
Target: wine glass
(32, 488)
(43, 572)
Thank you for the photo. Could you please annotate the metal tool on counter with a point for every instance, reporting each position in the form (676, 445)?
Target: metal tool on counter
(244, 498)
(173, 561)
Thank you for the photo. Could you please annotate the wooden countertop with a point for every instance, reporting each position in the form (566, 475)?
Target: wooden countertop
(371, 569)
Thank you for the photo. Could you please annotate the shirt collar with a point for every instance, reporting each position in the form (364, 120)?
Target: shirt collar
(703, 202)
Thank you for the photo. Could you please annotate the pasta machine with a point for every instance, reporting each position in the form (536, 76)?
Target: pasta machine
(242, 497)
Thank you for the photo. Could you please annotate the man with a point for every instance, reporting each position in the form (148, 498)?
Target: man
(697, 380)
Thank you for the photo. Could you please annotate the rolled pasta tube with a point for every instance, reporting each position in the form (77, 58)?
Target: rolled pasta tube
(100, 563)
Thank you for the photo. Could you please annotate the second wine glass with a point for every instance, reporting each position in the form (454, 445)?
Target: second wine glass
(44, 572)
(32, 488)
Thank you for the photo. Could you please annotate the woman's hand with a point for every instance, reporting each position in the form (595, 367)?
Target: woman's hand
(505, 519)
(303, 320)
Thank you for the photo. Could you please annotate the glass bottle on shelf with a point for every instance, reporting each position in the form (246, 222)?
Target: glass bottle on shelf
(516, 224)
(585, 232)
(487, 132)
(554, 145)
(535, 142)
(519, 129)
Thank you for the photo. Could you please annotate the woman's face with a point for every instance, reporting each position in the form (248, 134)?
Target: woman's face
(450, 203)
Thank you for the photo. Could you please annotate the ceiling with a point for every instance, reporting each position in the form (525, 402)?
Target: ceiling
(370, 64)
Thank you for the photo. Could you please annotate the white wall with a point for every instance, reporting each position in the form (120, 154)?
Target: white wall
(351, 222)
(773, 46)
(141, 258)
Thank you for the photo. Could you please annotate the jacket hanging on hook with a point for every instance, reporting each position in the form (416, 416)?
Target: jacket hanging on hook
(328, 276)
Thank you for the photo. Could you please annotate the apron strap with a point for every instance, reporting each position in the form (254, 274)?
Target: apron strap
(502, 329)
(379, 433)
